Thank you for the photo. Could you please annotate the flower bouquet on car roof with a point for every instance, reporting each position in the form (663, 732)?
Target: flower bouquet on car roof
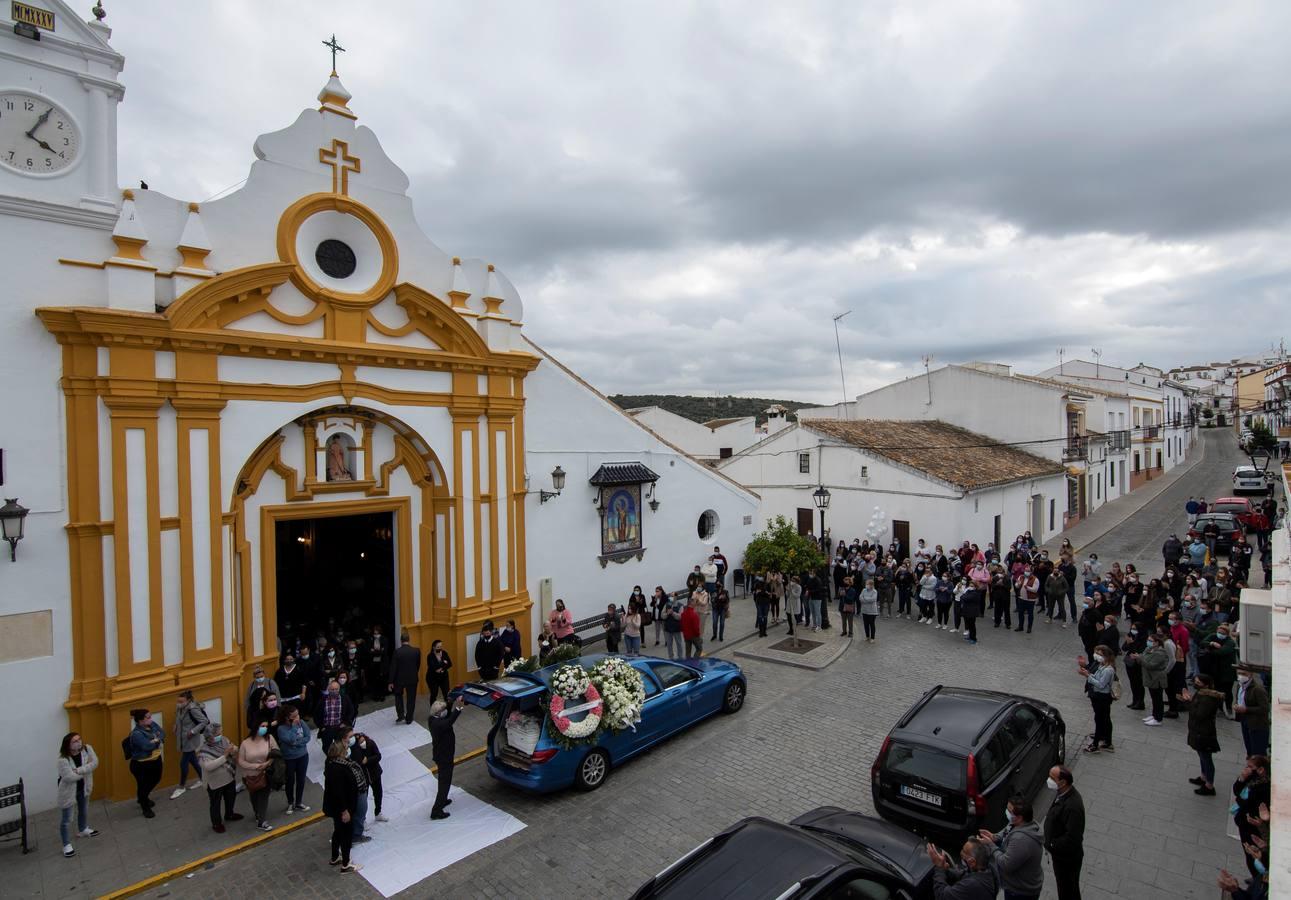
(622, 690)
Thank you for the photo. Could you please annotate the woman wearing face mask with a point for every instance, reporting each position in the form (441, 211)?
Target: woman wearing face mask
(267, 714)
(1155, 662)
(1133, 597)
(293, 737)
(944, 597)
(562, 623)
(253, 766)
(218, 759)
(341, 779)
(1202, 737)
(145, 743)
(438, 665)
(658, 609)
(1099, 674)
(76, 765)
(260, 685)
(1132, 647)
(365, 752)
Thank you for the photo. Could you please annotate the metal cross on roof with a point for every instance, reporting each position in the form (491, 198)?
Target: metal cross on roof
(336, 48)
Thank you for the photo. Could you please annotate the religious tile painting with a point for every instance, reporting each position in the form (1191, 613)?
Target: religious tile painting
(621, 525)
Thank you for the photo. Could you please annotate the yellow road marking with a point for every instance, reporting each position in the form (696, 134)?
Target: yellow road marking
(263, 837)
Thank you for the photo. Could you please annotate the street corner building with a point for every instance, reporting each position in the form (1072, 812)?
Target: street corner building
(928, 479)
(224, 417)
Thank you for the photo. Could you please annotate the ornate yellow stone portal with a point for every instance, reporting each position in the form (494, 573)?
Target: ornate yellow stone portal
(196, 404)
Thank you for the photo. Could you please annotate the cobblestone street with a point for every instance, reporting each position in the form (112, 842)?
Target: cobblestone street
(807, 738)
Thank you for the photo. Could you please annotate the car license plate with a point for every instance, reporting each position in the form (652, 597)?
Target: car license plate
(925, 796)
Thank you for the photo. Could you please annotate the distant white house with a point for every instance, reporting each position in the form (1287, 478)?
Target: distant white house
(712, 440)
(1084, 428)
(930, 479)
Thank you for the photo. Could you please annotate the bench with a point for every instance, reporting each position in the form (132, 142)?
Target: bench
(15, 795)
(592, 624)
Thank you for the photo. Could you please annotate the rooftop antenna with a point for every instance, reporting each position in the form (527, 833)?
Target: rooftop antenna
(927, 374)
(1061, 351)
(842, 410)
(1098, 356)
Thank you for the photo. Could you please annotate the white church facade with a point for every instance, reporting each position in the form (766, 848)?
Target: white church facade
(205, 400)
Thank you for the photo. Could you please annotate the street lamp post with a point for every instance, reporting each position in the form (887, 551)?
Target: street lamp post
(821, 498)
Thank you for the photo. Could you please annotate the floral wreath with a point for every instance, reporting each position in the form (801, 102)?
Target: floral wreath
(572, 683)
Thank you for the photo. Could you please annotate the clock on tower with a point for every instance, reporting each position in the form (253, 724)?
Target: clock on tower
(58, 111)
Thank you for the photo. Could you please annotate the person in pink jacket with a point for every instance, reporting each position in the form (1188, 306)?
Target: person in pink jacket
(562, 623)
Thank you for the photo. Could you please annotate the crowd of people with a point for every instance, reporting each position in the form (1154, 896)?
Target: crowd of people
(320, 680)
(1173, 636)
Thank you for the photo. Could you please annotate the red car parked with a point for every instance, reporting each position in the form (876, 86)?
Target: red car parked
(1240, 507)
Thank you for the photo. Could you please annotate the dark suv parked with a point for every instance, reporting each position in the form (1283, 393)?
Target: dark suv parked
(951, 763)
(825, 854)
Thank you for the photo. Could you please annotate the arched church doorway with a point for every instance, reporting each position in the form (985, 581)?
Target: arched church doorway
(341, 541)
(335, 578)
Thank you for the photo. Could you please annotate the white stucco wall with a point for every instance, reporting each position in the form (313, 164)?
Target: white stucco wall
(936, 511)
(695, 438)
(569, 425)
(1007, 409)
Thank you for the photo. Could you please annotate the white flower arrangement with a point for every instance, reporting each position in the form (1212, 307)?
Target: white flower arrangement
(622, 690)
(570, 681)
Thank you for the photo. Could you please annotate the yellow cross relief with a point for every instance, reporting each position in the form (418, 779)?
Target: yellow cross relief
(338, 157)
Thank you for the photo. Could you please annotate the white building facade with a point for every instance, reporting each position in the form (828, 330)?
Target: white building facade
(201, 383)
(1028, 493)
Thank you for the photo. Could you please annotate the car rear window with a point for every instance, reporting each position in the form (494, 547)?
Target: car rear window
(1230, 507)
(926, 764)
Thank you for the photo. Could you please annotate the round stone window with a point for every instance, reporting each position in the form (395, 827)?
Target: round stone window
(335, 258)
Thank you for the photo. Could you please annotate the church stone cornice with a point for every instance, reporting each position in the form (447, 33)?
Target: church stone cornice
(104, 220)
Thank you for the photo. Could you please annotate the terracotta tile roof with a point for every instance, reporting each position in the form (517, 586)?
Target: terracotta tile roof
(945, 452)
(718, 423)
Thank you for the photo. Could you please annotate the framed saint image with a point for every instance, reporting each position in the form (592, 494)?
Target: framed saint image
(621, 526)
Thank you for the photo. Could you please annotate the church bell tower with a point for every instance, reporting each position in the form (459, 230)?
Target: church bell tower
(58, 112)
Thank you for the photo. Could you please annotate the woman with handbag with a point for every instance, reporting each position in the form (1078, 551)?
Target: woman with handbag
(253, 766)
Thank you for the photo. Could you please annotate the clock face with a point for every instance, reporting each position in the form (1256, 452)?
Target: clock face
(36, 137)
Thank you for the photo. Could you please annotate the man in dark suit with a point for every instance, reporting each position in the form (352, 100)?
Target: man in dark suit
(442, 749)
(1064, 833)
(403, 679)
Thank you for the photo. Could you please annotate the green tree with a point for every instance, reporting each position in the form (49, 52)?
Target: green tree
(780, 548)
(1261, 438)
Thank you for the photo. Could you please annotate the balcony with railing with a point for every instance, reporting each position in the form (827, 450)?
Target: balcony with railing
(1076, 448)
(1151, 432)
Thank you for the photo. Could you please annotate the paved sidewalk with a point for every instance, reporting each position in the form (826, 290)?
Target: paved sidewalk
(131, 848)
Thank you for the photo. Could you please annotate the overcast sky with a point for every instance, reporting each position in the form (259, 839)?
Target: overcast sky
(686, 194)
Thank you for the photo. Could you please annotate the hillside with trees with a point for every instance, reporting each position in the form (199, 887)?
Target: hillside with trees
(704, 409)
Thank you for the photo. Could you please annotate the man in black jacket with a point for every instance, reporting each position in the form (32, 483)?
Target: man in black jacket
(488, 653)
(403, 679)
(442, 749)
(1064, 833)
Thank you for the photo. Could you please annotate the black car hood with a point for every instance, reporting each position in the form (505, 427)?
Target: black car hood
(892, 846)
